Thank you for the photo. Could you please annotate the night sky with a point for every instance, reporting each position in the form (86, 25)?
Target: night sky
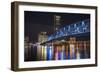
(36, 22)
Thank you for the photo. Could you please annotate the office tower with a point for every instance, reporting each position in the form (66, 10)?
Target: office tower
(42, 37)
(57, 22)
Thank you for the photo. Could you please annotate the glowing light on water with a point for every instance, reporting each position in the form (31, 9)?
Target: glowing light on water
(45, 52)
(77, 54)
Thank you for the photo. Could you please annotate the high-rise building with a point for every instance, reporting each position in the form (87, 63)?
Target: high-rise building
(42, 37)
(57, 22)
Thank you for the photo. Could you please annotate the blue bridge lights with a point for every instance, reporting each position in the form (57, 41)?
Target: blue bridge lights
(72, 29)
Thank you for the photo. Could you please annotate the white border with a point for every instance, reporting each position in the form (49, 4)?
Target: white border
(23, 64)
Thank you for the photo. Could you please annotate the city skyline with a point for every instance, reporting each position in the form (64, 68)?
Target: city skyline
(44, 21)
(56, 36)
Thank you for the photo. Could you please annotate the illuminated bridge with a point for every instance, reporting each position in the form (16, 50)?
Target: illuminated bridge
(81, 28)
